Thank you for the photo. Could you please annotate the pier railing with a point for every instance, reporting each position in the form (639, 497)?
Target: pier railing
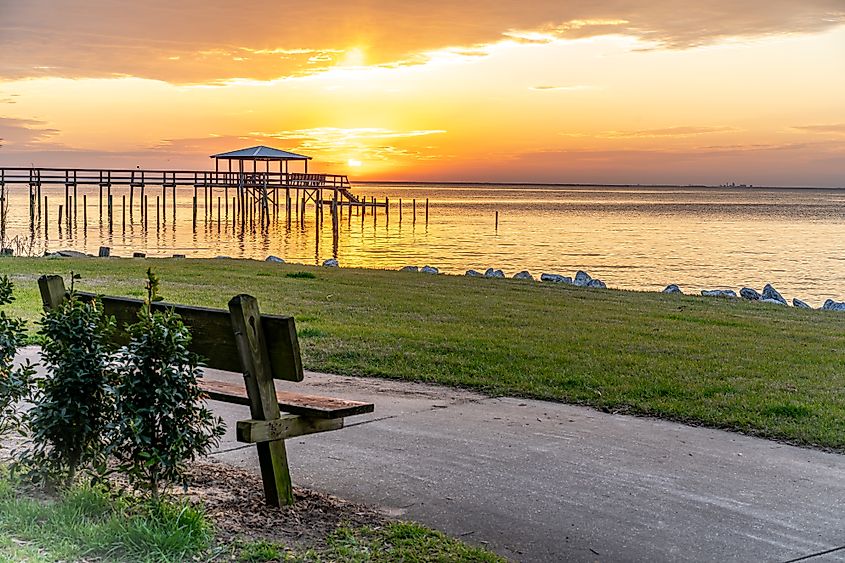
(138, 177)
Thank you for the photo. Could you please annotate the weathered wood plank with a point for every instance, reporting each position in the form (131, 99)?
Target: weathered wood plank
(52, 290)
(212, 336)
(288, 426)
(294, 403)
(258, 378)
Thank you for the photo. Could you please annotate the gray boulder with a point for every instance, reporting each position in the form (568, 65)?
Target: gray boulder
(582, 278)
(750, 294)
(771, 293)
(831, 305)
(673, 288)
(409, 269)
(474, 274)
(523, 275)
(773, 301)
(70, 254)
(596, 284)
(799, 304)
(554, 278)
(331, 263)
(718, 293)
(429, 270)
(491, 273)
(274, 260)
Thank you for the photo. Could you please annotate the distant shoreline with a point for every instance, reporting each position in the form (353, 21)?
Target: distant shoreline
(584, 185)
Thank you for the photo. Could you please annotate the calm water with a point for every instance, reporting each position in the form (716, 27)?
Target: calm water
(632, 238)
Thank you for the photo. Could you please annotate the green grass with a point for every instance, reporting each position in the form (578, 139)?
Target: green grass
(398, 541)
(752, 367)
(89, 522)
(93, 524)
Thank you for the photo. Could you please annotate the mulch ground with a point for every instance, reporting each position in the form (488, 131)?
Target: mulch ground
(234, 501)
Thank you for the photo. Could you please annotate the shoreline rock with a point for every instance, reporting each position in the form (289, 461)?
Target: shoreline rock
(474, 274)
(409, 269)
(797, 303)
(750, 294)
(771, 293)
(429, 270)
(331, 263)
(672, 289)
(718, 293)
(831, 305)
(491, 273)
(523, 275)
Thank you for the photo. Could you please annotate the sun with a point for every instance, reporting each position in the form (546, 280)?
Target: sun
(353, 162)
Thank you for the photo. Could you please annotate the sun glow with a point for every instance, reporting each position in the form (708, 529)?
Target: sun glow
(354, 163)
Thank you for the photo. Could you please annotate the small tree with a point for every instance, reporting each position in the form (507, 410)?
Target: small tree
(162, 422)
(14, 381)
(73, 402)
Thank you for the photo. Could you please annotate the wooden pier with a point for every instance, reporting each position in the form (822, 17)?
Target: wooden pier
(121, 200)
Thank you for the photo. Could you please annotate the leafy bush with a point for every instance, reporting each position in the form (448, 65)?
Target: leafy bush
(14, 381)
(162, 422)
(73, 404)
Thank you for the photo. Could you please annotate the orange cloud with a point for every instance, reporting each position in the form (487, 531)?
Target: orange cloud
(197, 41)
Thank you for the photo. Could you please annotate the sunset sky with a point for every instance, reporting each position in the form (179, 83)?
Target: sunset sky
(617, 91)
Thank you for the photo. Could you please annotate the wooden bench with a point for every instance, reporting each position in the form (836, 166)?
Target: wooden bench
(262, 348)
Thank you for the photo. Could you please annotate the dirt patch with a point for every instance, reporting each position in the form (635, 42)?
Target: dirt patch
(234, 501)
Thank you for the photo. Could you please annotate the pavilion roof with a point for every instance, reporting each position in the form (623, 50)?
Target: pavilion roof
(260, 153)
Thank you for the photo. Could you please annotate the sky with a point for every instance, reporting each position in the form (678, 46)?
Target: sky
(581, 91)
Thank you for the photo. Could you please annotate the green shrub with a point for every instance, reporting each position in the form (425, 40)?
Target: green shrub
(162, 422)
(14, 381)
(73, 403)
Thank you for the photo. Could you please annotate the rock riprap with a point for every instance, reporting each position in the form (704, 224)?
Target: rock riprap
(672, 288)
(474, 274)
(771, 293)
(718, 293)
(331, 263)
(493, 273)
(749, 293)
(274, 260)
(555, 278)
(523, 275)
(831, 305)
(799, 304)
(409, 269)
(429, 270)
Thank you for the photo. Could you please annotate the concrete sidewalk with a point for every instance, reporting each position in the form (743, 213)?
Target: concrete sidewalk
(538, 481)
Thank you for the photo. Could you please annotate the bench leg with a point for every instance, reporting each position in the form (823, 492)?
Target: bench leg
(273, 460)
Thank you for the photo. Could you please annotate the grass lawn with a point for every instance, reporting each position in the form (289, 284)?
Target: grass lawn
(94, 524)
(757, 368)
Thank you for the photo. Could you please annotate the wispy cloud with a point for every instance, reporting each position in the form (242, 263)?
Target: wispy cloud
(562, 88)
(198, 41)
(830, 129)
(683, 131)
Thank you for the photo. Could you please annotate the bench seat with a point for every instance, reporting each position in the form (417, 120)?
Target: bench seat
(294, 403)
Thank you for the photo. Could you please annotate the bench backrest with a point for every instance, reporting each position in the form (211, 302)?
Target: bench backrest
(213, 336)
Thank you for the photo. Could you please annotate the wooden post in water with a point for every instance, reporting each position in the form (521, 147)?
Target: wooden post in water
(400, 210)
(174, 201)
(414, 202)
(146, 208)
(60, 216)
(497, 220)
(123, 211)
(195, 209)
(158, 223)
(426, 210)
(101, 202)
(131, 198)
(75, 200)
(218, 214)
(111, 211)
(387, 208)
(46, 219)
(84, 211)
